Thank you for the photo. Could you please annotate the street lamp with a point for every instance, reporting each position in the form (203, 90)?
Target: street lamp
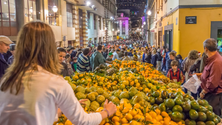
(88, 3)
(55, 10)
(149, 12)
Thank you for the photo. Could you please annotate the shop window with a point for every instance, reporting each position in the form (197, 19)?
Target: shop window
(8, 18)
(69, 15)
(30, 10)
(53, 10)
(219, 37)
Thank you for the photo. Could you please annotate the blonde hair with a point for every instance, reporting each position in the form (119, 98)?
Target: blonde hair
(35, 46)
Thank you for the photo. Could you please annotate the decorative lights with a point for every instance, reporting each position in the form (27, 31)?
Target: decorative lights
(54, 9)
(149, 12)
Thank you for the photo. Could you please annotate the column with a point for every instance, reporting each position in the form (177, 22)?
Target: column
(64, 23)
(85, 35)
(76, 24)
(102, 29)
(20, 13)
(120, 28)
(127, 28)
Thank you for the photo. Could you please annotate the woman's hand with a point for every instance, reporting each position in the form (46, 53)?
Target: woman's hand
(82, 101)
(109, 109)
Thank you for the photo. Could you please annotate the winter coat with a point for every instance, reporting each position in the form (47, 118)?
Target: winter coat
(148, 58)
(3, 66)
(154, 60)
(159, 57)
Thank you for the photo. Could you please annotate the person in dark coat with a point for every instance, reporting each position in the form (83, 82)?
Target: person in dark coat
(159, 60)
(148, 58)
(4, 47)
(154, 58)
(12, 50)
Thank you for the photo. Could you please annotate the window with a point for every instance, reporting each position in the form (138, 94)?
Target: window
(8, 18)
(69, 15)
(53, 16)
(30, 10)
(94, 18)
(88, 16)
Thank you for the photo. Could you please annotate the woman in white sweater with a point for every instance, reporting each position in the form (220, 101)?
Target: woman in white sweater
(32, 89)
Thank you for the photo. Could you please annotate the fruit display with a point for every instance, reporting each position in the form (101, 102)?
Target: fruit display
(142, 94)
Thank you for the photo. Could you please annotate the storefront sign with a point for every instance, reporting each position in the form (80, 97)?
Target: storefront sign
(191, 20)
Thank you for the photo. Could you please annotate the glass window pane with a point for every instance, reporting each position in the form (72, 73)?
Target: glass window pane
(5, 13)
(69, 15)
(53, 17)
(12, 10)
(32, 10)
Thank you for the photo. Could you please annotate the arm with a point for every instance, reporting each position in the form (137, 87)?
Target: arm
(71, 107)
(214, 78)
(195, 66)
(181, 77)
(101, 60)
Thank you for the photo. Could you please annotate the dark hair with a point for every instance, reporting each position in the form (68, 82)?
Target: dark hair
(67, 56)
(60, 49)
(173, 54)
(179, 56)
(86, 51)
(174, 63)
(100, 47)
(72, 48)
(210, 44)
(12, 47)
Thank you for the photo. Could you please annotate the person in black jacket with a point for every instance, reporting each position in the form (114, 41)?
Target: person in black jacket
(4, 47)
(148, 58)
(159, 60)
(154, 58)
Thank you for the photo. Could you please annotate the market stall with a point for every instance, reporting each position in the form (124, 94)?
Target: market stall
(142, 94)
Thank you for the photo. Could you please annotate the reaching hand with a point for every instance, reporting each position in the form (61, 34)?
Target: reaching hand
(82, 101)
(110, 107)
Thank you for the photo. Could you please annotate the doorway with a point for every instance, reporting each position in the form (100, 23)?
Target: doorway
(216, 32)
(168, 36)
(168, 39)
(159, 39)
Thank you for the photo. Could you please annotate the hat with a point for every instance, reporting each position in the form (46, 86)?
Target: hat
(158, 50)
(5, 40)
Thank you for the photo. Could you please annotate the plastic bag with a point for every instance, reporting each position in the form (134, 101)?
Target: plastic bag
(192, 84)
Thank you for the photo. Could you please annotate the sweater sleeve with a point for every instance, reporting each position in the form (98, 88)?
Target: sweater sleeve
(72, 109)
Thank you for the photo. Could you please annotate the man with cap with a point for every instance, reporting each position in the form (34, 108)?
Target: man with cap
(4, 47)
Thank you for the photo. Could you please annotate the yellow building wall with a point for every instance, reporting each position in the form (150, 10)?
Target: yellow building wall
(171, 19)
(192, 36)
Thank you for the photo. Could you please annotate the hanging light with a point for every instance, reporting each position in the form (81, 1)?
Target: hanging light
(5, 2)
(88, 3)
(149, 12)
(54, 9)
(31, 10)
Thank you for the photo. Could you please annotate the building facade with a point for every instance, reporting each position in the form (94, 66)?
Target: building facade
(183, 25)
(74, 22)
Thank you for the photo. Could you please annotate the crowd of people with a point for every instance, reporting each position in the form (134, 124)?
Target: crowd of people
(37, 62)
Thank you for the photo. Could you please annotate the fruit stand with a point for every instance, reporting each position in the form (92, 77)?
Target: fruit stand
(142, 94)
